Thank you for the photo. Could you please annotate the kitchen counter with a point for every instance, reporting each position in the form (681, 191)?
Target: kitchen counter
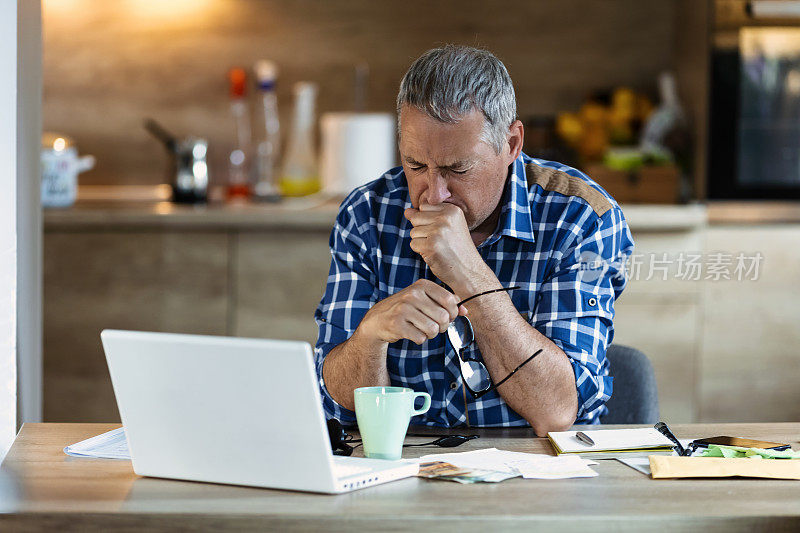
(318, 213)
(657, 218)
(309, 214)
(753, 212)
(297, 214)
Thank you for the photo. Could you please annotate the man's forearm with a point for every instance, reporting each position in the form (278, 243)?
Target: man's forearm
(352, 364)
(543, 391)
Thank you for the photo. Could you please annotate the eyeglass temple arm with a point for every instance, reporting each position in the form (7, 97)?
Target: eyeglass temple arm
(526, 361)
(462, 302)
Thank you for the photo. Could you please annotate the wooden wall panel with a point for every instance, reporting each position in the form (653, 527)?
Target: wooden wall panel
(661, 317)
(750, 363)
(175, 282)
(278, 286)
(107, 65)
(665, 329)
(722, 350)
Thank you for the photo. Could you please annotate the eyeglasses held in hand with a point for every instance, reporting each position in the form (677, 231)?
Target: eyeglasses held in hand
(474, 373)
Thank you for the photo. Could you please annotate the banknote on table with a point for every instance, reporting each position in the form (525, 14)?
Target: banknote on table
(448, 472)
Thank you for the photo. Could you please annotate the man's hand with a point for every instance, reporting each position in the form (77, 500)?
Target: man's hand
(421, 311)
(441, 236)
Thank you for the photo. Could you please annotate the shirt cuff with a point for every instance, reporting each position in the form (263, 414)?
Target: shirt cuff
(593, 388)
(329, 405)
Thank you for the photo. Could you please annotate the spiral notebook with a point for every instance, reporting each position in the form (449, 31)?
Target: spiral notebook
(612, 443)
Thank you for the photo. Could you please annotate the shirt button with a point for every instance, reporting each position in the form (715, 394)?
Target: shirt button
(453, 386)
(592, 301)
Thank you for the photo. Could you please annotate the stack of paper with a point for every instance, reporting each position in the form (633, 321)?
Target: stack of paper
(549, 467)
(110, 445)
(613, 443)
(528, 465)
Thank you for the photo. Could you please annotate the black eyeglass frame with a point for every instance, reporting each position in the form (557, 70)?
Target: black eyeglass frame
(462, 357)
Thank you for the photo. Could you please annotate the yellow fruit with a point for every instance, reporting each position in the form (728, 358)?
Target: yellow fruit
(569, 128)
(593, 113)
(623, 102)
(593, 144)
(621, 127)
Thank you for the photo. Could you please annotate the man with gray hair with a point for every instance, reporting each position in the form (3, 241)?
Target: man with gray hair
(472, 272)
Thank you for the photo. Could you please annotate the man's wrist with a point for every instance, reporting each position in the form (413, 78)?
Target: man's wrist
(365, 343)
(476, 283)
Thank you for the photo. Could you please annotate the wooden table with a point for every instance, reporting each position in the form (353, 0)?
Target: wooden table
(43, 489)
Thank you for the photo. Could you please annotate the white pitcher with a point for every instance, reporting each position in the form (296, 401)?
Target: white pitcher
(60, 168)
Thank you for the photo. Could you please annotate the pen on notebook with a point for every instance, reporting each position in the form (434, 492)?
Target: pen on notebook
(584, 438)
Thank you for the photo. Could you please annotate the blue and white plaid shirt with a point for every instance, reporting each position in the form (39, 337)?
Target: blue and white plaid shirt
(555, 222)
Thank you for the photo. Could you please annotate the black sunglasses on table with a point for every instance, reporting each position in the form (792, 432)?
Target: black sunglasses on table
(474, 373)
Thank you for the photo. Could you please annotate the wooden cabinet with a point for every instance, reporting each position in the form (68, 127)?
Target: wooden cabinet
(722, 350)
(251, 284)
(152, 281)
(278, 280)
(750, 368)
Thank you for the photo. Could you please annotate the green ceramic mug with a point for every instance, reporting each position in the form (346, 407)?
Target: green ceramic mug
(383, 414)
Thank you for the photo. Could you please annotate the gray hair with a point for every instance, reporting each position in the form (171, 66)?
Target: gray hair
(447, 83)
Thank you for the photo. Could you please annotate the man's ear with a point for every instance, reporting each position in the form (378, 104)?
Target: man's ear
(516, 137)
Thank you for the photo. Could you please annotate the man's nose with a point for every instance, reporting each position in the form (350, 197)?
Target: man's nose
(437, 188)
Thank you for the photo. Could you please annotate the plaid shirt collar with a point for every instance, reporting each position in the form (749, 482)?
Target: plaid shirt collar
(515, 217)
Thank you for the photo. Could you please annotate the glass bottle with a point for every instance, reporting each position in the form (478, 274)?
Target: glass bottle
(300, 175)
(267, 150)
(239, 158)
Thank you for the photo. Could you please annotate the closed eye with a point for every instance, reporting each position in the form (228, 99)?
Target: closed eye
(422, 167)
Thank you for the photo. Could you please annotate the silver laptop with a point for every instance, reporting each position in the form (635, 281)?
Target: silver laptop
(231, 410)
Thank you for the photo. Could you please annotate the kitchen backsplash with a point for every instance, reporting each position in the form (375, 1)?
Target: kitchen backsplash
(108, 65)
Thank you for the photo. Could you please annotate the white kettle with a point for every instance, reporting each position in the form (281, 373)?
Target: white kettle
(60, 168)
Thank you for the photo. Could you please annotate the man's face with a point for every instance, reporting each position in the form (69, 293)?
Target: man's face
(452, 163)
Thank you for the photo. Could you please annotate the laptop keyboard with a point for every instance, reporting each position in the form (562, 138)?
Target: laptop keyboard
(341, 470)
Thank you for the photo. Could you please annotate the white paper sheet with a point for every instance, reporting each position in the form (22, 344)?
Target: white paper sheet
(528, 465)
(642, 464)
(109, 445)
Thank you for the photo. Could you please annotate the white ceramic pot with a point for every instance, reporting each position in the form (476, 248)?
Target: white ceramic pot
(60, 168)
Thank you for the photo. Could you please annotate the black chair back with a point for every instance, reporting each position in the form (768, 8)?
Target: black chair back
(634, 399)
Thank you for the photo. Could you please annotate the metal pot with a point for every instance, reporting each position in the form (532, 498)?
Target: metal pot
(188, 166)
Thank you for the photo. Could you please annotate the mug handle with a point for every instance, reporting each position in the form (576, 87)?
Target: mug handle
(426, 403)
